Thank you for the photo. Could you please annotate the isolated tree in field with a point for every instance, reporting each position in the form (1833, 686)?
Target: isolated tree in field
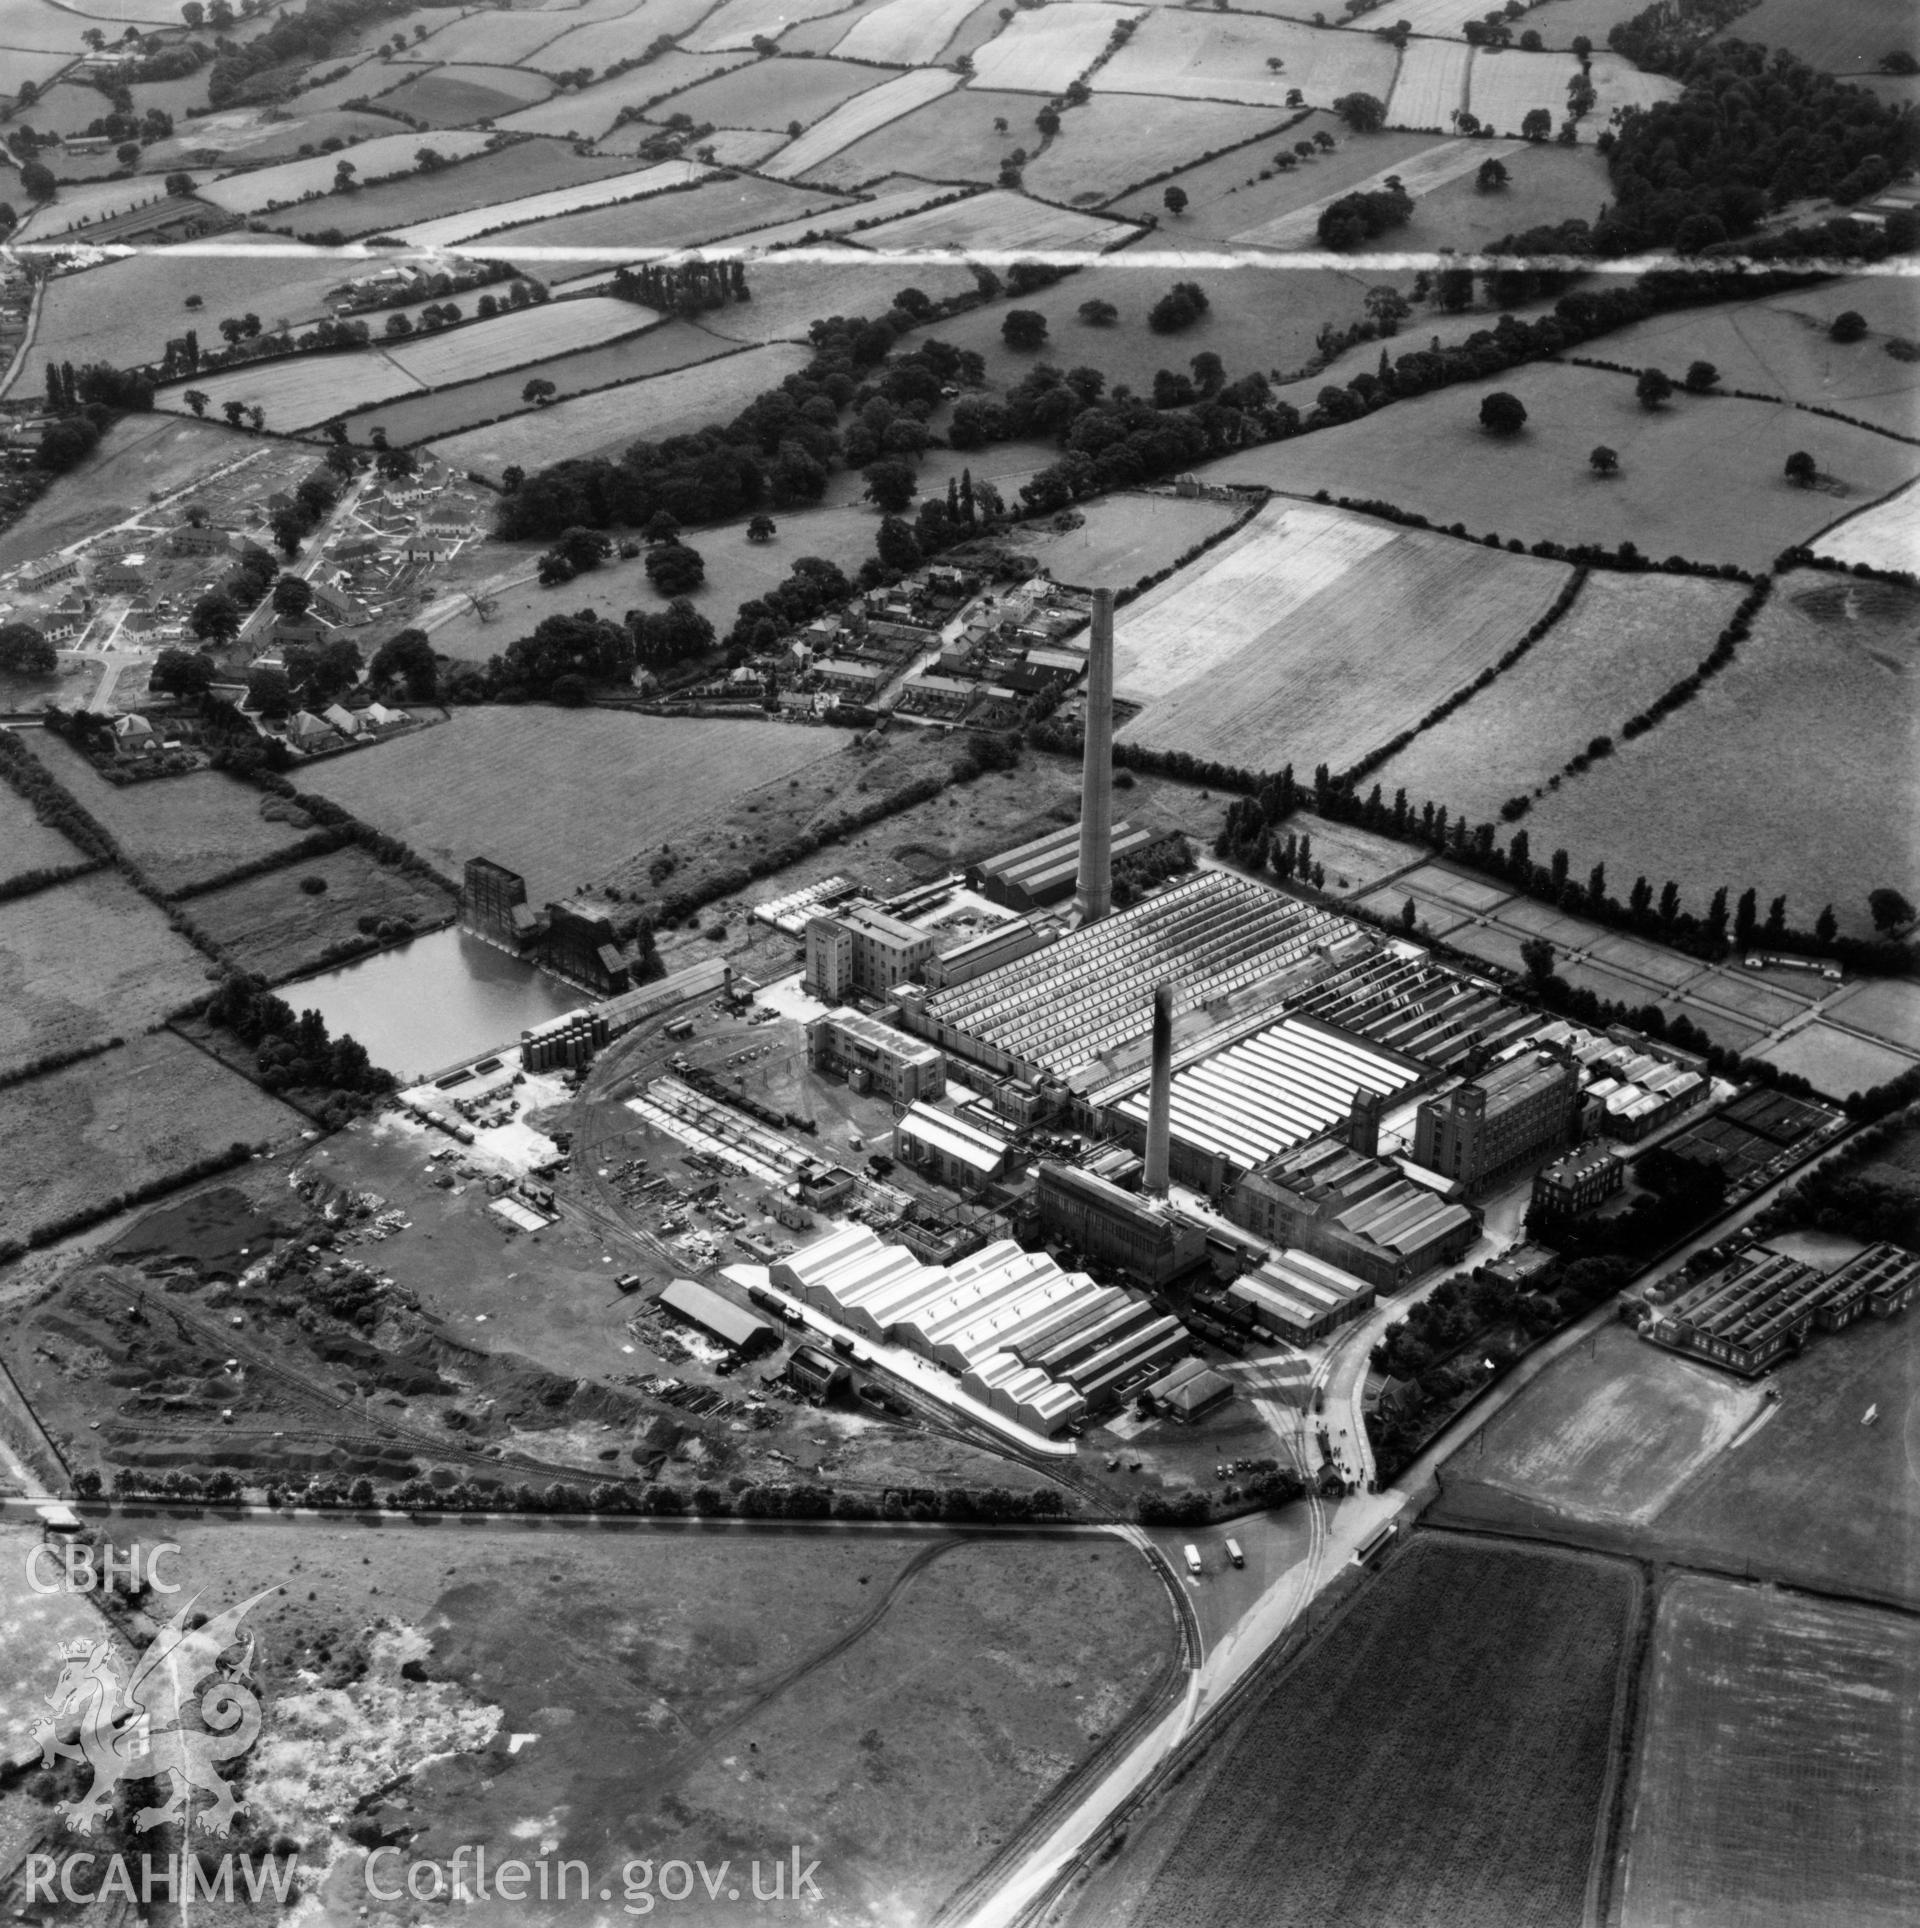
(539, 392)
(760, 528)
(1175, 200)
(1324, 142)
(196, 399)
(292, 597)
(1801, 470)
(1603, 461)
(1653, 389)
(1848, 325)
(1503, 414)
(891, 485)
(674, 569)
(1180, 307)
(25, 651)
(1536, 124)
(1024, 329)
(215, 618)
(1492, 175)
(1701, 378)
(1364, 113)
(1889, 909)
(1098, 313)
(181, 672)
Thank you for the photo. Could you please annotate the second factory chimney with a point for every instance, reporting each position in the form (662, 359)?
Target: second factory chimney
(1094, 897)
(1160, 1096)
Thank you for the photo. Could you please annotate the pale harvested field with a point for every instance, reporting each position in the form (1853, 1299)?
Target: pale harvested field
(503, 175)
(1041, 52)
(271, 187)
(177, 830)
(1431, 86)
(1836, 1062)
(1430, 454)
(530, 787)
(910, 33)
(1314, 637)
(738, 23)
(1776, 1783)
(523, 334)
(600, 36)
(1795, 769)
(1625, 639)
(496, 38)
(859, 117)
(709, 212)
(675, 403)
(1125, 537)
(630, 186)
(999, 220)
(1620, 84)
(1887, 1007)
(1115, 140)
(446, 411)
(732, 146)
(1433, 167)
(28, 844)
(1887, 536)
(454, 95)
(949, 139)
(90, 201)
(87, 961)
(590, 112)
(772, 93)
(1211, 56)
(1610, 1432)
(298, 392)
(1507, 85)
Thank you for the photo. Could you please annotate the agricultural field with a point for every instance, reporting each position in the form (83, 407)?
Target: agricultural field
(738, 23)
(262, 188)
(599, 37)
(1775, 1780)
(1461, 1709)
(588, 113)
(1001, 220)
(107, 1127)
(632, 185)
(951, 138)
(1844, 38)
(709, 212)
(493, 38)
(864, 114)
(76, 206)
(36, 26)
(141, 458)
(1430, 454)
(530, 787)
(446, 411)
(298, 391)
(1506, 85)
(28, 844)
(1619, 84)
(177, 831)
(1432, 167)
(906, 33)
(503, 174)
(454, 95)
(1431, 86)
(278, 926)
(1125, 537)
(1886, 536)
(764, 244)
(1625, 639)
(772, 94)
(1115, 140)
(1546, 185)
(789, 296)
(1312, 636)
(1040, 52)
(86, 961)
(603, 423)
(522, 334)
(1208, 56)
(1825, 672)
(249, 135)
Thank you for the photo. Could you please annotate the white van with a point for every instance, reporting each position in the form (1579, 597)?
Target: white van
(1193, 1558)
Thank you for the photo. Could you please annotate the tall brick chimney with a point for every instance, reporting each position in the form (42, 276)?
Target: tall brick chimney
(1094, 896)
(1160, 1096)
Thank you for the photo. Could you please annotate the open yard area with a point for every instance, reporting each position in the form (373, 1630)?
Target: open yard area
(114, 1124)
(1794, 768)
(859, 117)
(605, 422)
(179, 831)
(1775, 1783)
(1312, 636)
(88, 961)
(536, 788)
(277, 926)
(1625, 639)
(1460, 1713)
(1112, 141)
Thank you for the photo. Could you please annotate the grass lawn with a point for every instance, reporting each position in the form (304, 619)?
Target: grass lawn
(1837, 36)
(274, 927)
(1461, 1711)
(1793, 769)
(1701, 479)
(561, 796)
(87, 961)
(1774, 1784)
(1837, 1062)
(113, 1124)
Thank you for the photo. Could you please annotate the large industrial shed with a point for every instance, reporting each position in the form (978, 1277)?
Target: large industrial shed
(1299, 1298)
(719, 1318)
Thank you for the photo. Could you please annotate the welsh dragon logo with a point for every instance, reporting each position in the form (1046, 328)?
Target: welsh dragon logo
(129, 1724)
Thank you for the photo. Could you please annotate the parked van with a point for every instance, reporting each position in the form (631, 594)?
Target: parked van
(1193, 1558)
(1234, 1554)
